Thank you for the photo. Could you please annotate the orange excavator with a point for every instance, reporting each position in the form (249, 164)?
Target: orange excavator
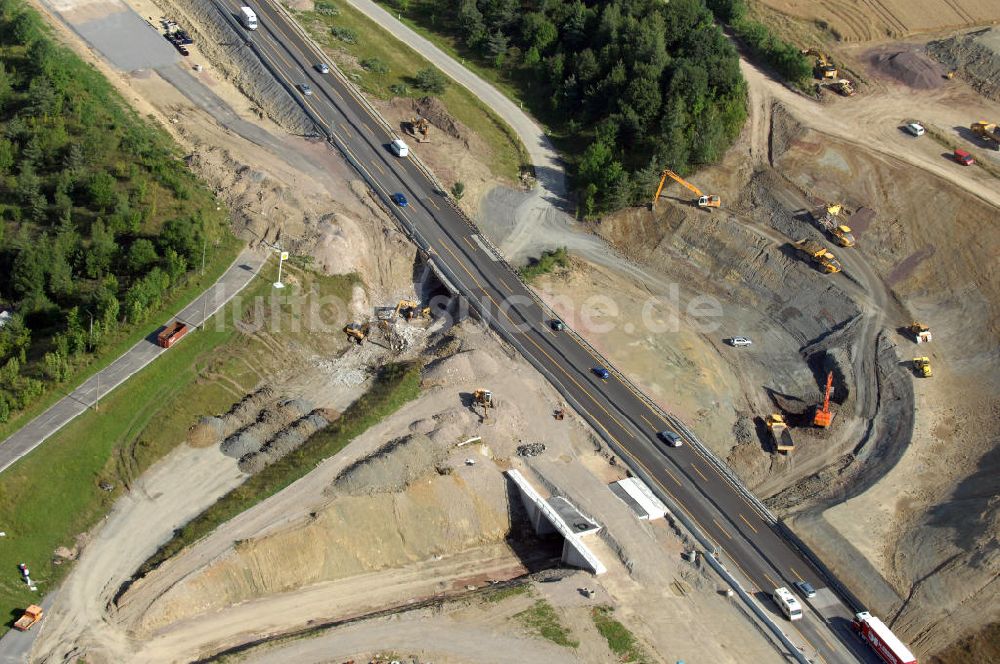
(703, 200)
(823, 415)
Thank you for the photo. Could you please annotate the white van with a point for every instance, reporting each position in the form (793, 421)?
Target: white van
(399, 148)
(788, 604)
(249, 18)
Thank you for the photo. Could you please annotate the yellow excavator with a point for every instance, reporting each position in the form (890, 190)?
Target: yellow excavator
(922, 365)
(703, 200)
(357, 332)
(420, 128)
(410, 309)
(824, 68)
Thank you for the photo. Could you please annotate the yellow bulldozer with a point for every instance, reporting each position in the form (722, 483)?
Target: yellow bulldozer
(988, 131)
(844, 87)
(922, 365)
(484, 399)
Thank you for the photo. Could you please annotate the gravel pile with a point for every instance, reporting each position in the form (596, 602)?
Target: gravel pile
(976, 58)
(530, 449)
(284, 442)
(392, 468)
(910, 67)
(269, 421)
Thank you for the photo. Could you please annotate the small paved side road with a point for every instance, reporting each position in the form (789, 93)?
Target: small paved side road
(31, 435)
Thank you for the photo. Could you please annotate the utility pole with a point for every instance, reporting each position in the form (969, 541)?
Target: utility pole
(204, 244)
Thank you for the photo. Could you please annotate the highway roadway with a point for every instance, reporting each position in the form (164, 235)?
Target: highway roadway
(744, 539)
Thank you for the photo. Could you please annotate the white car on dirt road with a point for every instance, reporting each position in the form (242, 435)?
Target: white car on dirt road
(738, 342)
(915, 128)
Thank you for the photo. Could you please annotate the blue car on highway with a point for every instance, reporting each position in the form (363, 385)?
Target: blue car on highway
(400, 200)
(601, 373)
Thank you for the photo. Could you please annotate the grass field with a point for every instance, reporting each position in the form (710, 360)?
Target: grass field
(372, 41)
(621, 641)
(53, 494)
(542, 620)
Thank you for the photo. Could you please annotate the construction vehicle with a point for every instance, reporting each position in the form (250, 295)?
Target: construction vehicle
(921, 333)
(703, 200)
(483, 398)
(420, 129)
(876, 634)
(779, 432)
(922, 365)
(823, 416)
(410, 309)
(171, 334)
(824, 68)
(819, 255)
(844, 87)
(826, 217)
(988, 131)
(31, 615)
(357, 332)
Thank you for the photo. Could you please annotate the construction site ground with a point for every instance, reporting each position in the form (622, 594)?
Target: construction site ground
(904, 519)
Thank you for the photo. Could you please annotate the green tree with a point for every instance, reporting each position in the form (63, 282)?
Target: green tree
(101, 189)
(458, 190)
(141, 255)
(430, 80)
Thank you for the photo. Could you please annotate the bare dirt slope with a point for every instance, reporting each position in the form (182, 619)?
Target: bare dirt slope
(867, 20)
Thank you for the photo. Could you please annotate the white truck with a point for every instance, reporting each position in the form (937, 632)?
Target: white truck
(399, 148)
(249, 18)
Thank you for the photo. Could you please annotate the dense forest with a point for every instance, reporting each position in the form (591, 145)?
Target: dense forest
(629, 86)
(99, 216)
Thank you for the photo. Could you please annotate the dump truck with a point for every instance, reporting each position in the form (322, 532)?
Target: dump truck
(922, 365)
(876, 634)
(819, 255)
(921, 333)
(171, 334)
(31, 615)
(827, 219)
(988, 131)
(780, 433)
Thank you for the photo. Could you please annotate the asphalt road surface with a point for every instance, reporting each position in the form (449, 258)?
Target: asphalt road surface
(145, 351)
(746, 540)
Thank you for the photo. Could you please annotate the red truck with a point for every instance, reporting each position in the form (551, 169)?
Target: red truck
(964, 158)
(171, 333)
(881, 639)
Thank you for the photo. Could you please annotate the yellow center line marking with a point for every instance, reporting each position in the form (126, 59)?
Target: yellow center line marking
(700, 474)
(724, 531)
(434, 203)
(370, 130)
(646, 420)
(673, 477)
(378, 166)
(750, 525)
(770, 580)
(469, 242)
(795, 573)
(346, 130)
(828, 644)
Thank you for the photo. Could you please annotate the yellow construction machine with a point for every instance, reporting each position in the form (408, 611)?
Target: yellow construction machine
(827, 217)
(779, 432)
(843, 87)
(420, 129)
(704, 201)
(988, 131)
(484, 399)
(357, 332)
(819, 255)
(824, 67)
(922, 365)
(921, 333)
(410, 309)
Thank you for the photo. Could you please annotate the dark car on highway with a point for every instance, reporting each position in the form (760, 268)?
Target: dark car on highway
(400, 200)
(670, 438)
(557, 325)
(601, 373)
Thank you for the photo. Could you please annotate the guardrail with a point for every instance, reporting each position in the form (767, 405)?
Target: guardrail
(444, 274)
